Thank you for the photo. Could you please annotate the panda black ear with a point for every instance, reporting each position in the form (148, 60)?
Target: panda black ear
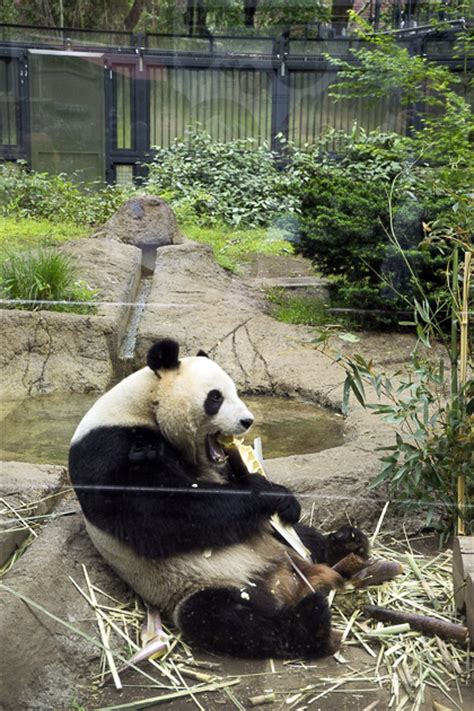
(163, 355)
(203, 354)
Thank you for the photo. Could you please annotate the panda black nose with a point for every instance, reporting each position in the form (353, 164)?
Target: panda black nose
(247, 423)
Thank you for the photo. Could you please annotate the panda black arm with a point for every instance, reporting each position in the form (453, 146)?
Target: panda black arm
(154, 503)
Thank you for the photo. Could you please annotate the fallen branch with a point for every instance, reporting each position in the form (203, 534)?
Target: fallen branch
(420, 623)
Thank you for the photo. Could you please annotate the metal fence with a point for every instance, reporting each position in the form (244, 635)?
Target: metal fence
(97, 102)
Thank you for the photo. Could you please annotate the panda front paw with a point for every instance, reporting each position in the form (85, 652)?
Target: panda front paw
(287, 505)
(274, 498)
(345, 540)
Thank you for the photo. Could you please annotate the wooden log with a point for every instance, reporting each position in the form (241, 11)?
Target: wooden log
(421, 623)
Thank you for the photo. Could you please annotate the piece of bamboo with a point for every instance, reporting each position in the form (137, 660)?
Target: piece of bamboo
(463, 348)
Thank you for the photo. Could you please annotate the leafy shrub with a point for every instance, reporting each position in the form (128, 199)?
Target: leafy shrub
(55, 197)
(360, 154)
(33, 279)
(433, 443)
(233, 183)
(345, 230)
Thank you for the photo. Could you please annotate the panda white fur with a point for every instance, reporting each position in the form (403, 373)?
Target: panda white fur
(190, 534)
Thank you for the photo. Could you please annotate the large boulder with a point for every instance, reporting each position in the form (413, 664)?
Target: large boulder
(144, 221)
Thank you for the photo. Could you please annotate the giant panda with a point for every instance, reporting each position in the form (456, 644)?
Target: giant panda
(187, 532)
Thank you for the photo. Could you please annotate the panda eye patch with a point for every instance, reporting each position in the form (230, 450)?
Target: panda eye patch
(213, 402)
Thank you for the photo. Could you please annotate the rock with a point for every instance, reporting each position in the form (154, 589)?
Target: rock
(308, 286)
(43, 664)
(44, 351)
(332, 485)
(193, 300)
(144, 221)
(33, 490)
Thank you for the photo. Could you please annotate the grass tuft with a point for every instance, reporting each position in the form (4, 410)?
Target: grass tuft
(232, 246)
(44, 280)
(302, 310)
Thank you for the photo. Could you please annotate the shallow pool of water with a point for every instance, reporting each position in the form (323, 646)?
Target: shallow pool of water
(40, 429)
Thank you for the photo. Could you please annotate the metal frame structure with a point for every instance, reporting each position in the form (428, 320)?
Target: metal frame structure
(277, 56)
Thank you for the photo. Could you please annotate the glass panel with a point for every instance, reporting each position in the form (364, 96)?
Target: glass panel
(8, 133)
(123, 76)
(124, 174)
(312, 110)
(67, 115)
(227, 103)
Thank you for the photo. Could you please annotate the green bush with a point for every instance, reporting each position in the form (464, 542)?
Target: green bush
(236, 183)
(57, 198)
(44, 280)
(345, 231)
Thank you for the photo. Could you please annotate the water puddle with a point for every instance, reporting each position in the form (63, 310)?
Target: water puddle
(288, 426)
(39, 430)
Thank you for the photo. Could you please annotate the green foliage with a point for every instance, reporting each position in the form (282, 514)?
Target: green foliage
(306, 310)
(32, 279)
(434, 442)
(24, 232)
(447, 124)
(56, 198)
(232, 247)
(235, 183)
(345, 230)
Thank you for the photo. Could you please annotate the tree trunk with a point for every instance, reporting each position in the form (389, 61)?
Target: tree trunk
(340, 8)
(134, 15)
(200, 20)
(189, 17)
(250, 8)
(195, 18)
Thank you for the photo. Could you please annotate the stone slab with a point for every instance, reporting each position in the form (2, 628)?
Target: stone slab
(43, 352)
(36, 488)
(297, 286)
(50, 666)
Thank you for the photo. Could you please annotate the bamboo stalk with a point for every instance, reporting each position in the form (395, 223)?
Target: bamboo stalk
(102, 630)
(463, 326)
(421, 623)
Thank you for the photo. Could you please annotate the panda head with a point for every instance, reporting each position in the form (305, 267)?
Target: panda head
(195, 402)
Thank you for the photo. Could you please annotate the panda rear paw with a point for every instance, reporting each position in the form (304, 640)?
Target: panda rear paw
(312, 624)
(345, 540)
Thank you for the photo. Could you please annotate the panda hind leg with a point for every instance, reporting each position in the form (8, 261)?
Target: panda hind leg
(335, 546)
(222, 620)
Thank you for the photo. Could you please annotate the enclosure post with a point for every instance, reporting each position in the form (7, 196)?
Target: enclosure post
(280, 95)
(142, 115)
(110, 121)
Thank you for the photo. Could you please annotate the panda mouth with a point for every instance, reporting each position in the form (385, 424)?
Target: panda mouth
(215, 451)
